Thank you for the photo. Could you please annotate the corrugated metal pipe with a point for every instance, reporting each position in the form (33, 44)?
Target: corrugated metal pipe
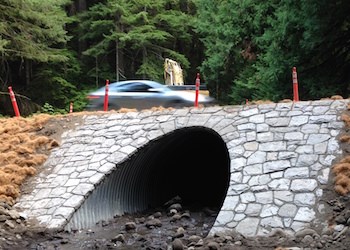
(189, 162)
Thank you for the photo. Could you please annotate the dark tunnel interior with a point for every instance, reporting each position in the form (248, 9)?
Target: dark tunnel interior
(192, 163)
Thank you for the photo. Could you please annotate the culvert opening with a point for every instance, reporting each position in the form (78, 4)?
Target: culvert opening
(192, 163)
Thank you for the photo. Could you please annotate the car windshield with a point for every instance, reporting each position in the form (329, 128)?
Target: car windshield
(137, 87)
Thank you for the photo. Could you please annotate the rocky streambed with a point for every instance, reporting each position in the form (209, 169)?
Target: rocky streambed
(170, 227)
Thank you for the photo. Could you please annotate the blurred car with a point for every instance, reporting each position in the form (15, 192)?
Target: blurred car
(143, 94)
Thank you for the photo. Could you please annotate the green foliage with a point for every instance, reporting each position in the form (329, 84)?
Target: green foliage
(295, 40)
(32, 45)
(60, 58)
(142, 32)
(35, 30)
(49, 109)
(251, 48)
(152, 69)
(59, 85)
(217, 23)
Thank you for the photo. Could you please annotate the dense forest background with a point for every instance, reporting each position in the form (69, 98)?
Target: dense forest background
(54, 51)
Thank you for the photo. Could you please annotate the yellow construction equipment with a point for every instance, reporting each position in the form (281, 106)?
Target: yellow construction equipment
(172, 73)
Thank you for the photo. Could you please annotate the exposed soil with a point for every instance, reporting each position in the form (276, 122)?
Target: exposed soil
(162, 228)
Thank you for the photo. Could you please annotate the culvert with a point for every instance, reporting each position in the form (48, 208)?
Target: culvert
(191, 162)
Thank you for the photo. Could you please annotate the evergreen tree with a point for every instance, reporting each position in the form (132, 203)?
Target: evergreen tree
(311, 35)
(31, 31)
(228, 29)
(252, 46)
(34, 57)
(132, 38)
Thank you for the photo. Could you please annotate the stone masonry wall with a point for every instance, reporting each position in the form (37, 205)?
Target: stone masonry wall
(280, 161)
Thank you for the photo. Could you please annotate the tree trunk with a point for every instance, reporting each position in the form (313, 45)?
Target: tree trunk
(81, 5)
(27, 72)
(77, 7)
(119, 57)
(96, 72)
(144, 58)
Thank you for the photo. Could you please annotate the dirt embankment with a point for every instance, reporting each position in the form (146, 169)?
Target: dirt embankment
(22, 150)
(25, 144)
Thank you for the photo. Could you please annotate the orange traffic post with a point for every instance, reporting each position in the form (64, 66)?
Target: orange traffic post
(295, 85)
(197, 90)
(105, 105)
(71, 107)
(14, 102)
